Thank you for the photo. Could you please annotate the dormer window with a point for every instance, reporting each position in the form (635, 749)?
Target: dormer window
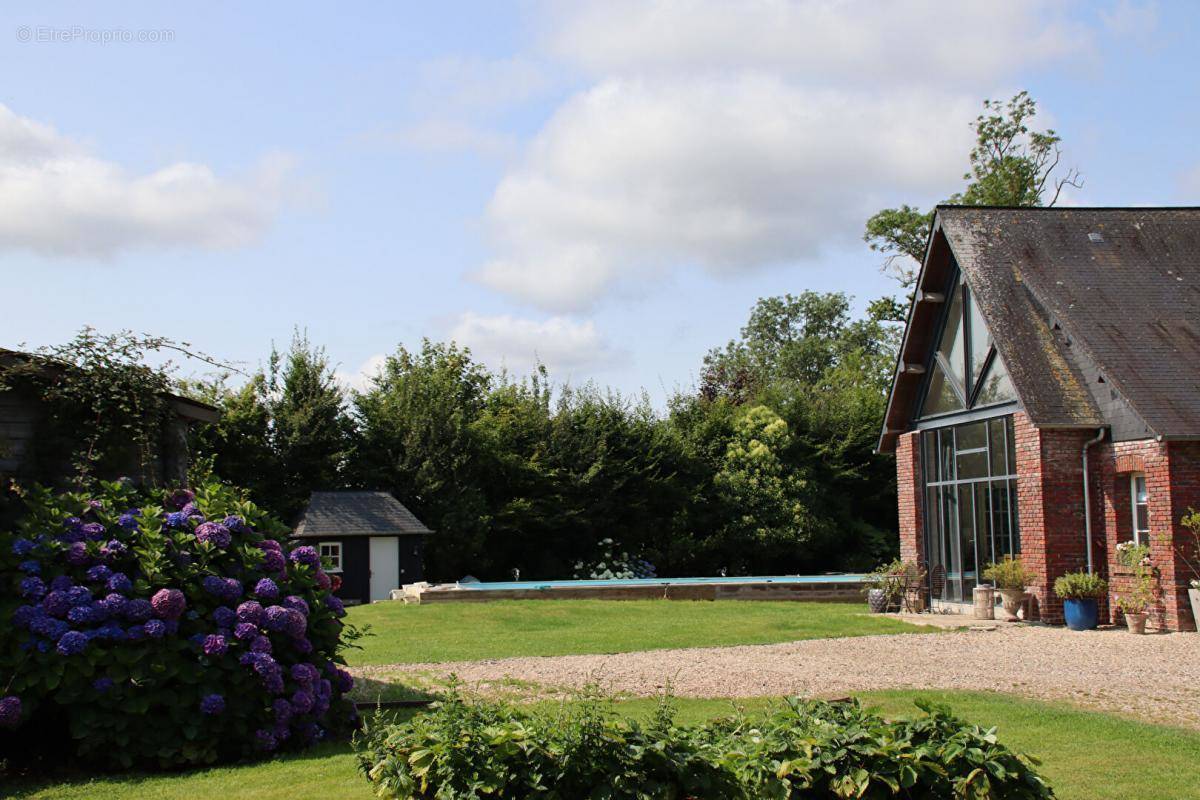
(966, 371)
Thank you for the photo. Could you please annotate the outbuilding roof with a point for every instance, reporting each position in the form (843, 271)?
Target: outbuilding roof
(1071, 295)
(331, 514)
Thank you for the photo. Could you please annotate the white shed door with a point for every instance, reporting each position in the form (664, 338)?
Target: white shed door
(385, 566)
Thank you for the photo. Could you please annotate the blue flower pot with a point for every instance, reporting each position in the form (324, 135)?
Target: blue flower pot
(1081, 615)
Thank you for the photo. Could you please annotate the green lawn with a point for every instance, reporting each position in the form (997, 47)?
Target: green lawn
(1086, 756)
(469, 631)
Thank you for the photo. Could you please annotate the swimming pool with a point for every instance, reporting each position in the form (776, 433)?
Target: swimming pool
(585, 583)
(835, 588)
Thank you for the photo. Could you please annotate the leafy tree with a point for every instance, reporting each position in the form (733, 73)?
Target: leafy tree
(1010, 165)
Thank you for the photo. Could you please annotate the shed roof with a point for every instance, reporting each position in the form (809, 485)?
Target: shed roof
(1116, 287)
(332, 514)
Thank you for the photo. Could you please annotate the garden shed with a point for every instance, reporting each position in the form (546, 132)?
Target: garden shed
(369, 539)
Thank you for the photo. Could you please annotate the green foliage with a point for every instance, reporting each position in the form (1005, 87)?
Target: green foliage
(126, 695)
(888, 578)
(1010, 165)
(1008, 573)
(1079, 586)
(1140, 594)
(467, 749)
(1187, 545)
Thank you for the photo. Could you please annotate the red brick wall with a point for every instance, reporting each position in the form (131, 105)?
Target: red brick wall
(1050, 507)
(911, 498)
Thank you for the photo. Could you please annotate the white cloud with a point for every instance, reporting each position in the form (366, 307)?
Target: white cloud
(733, 136)
(832, 41)
(1136, 21)
(636, 176)
(360, 379)
(56, 198)
(519, 344)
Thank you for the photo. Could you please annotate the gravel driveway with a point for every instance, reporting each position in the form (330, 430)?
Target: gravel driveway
(1156, 677)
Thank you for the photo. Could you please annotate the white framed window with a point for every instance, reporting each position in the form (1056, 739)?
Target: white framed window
(1139, 501)
(331, 554)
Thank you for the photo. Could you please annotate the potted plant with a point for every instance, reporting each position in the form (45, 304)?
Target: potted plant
(884, 587)
(1135, 602)
(1189, 553)
(1080, 592)
(1010, 578)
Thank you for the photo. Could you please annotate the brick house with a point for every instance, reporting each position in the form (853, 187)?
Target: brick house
(1046, 399)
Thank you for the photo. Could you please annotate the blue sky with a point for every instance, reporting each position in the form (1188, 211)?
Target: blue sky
(605, 186)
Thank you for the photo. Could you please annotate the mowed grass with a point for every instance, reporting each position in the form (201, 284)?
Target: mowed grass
(1086, 755)
(406, 634)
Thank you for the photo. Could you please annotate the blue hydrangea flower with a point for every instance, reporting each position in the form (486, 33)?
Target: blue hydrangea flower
(56, 603)
(176, 519)
(61, 583)
(306, 555)
(33, 588)
(119, 582)
(128, 520)
(99, 573)
(155, 628)
(236, 524)
(103, 684)
(25, 614)
(266, 589)
(265, 740)
(224, 616)
(49, 627)
(138, 610)
(113, 550)
(72, 643)
(81, 615)
(22, 547)
(77, 554)
(79, 595)
(30, 567)
(93, 531)
(212, 704)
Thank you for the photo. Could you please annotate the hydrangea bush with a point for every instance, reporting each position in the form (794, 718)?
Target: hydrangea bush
(613, 565)
(165, 630)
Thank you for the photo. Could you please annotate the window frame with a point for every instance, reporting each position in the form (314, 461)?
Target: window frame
(337, 565)
(1138, 535)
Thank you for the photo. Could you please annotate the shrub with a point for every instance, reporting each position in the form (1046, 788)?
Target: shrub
(1079, 586)
(889, 579)
(466, 749)
(163, 629)
(1008, 573)
(612, 565)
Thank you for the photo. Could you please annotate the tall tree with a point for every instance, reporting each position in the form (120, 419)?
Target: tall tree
(1010, 165)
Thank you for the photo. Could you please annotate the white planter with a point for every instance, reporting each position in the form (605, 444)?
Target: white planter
(1011, 600)
(1194, 596)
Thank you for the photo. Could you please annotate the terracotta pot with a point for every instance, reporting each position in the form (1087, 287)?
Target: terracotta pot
(1011, 600)
(1136, 621)
(1194, 596)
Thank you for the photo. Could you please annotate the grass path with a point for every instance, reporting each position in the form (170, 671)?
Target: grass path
(1086, 756)
(509, 628)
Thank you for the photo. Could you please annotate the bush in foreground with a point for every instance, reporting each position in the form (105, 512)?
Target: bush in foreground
(162, 630)
(803, 749)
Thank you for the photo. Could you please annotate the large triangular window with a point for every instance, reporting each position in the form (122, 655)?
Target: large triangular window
(966, 371)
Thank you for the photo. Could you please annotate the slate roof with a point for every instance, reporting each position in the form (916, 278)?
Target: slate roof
(332, 514)
(1072, 294)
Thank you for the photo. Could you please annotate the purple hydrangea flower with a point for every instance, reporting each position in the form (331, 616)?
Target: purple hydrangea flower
(215, 645)
(99, 573)
(322, 579)
(77, 554)
(168, 603)
(81, 615)
(275, 618)
(345, 681)
(72, 643)
(114, 604)
(265, 740)
(25, 614)
(335, 604)
(266, 589)
(57, 603)
(245, 630)
(270, 544)
(302, 645)
(113, 550)
(224, 616)
(305, 674)
(236, 524)
(302, 702)
(138, 610)
(282, 710)
(61, 583)
(181, 497)
(30, 567)
(22, 547)
(214, 585)
(10, 711)
(260, 644)
(93, 531)
(214, 533)
(212, 704)
(72, 524)
(155, 629)
(296, 603)
(273, 561)
(250, 611)
(119, 582)
(306, 555)
(103, 684)
(33, 588)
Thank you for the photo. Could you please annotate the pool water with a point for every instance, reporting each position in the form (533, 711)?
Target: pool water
(839, 578)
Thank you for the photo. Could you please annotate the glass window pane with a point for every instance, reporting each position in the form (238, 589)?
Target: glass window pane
(953, 344)
(972, 465)
(929, 455)
(1000, 526)
(966, 538)
(996, 446)
(940, 398)
(997, 387)
(1010, 442)
(947, 454)
(1013, 516)
(983, 543)
(1143, 518)
(981, 339)
(1140, 493)
(970, 437)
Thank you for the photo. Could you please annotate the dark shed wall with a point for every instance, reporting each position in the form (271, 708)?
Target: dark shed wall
(411, 559)
(356, 567)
